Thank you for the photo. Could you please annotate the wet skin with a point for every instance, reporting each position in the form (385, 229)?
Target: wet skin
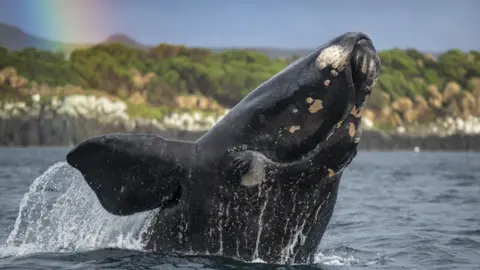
(263, 182)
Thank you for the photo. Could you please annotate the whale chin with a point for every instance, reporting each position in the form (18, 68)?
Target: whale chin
(340, 81)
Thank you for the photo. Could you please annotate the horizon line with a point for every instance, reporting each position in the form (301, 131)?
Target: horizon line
(88, 43)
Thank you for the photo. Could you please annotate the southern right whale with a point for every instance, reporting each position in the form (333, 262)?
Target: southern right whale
(262, 183)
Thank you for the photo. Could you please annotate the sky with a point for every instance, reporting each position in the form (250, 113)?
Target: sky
(428, 25)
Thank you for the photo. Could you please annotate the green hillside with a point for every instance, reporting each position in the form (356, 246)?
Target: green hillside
(413, 87)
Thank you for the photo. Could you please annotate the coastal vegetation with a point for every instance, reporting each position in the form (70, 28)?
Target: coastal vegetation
(413, 89)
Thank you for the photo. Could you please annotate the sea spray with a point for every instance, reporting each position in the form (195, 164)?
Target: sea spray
(61, 213)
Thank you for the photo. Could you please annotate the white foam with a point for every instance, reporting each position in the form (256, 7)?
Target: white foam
(333, 259)
(60, 213)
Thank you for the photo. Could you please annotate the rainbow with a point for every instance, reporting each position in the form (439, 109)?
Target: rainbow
(65, 21)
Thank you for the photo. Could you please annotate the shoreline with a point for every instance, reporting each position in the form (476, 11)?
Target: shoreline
(67, 122)
(372, 141)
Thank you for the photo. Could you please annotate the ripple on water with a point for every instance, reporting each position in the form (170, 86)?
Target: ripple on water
(394, 211)
(130, 259)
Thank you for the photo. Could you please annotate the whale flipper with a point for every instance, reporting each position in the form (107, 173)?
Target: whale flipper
(330, 157)
(242, 162)
(132, 173)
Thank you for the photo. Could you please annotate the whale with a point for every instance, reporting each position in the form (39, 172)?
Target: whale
(263, 182)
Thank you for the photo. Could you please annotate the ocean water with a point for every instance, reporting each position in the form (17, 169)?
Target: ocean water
(401, 210)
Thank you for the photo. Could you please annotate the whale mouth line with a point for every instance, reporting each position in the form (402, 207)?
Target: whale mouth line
(359, 67)
(357, 82)
(353, 75)
(365, 70)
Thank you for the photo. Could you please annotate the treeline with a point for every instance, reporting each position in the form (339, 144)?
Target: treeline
(409, 73)
(166, 71)
(162, 72)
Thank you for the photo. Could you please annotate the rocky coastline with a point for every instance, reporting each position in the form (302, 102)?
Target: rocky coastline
(378, 141)
(67, 121)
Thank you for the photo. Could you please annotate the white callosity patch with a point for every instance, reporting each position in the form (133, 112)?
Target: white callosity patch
(335, 56)
(292, 129)
(364, 64)
(256, 174)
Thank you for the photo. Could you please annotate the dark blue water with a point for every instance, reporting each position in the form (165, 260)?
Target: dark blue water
(394, 211)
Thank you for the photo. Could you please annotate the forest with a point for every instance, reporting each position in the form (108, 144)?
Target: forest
(413, 87)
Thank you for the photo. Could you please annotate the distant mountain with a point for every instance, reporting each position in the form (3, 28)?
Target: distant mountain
(14, 39)
(125, 40)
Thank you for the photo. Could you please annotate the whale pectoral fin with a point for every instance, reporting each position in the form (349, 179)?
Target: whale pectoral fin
(248, 168)
(328, 159)
(131, 173)
(242, 162)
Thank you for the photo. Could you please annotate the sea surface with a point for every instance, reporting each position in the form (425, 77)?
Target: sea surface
(401, 210)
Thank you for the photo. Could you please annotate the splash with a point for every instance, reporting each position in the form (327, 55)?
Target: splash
(60, 213)
(336, 259)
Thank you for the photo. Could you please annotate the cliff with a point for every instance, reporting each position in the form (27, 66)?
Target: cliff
(71, 119)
